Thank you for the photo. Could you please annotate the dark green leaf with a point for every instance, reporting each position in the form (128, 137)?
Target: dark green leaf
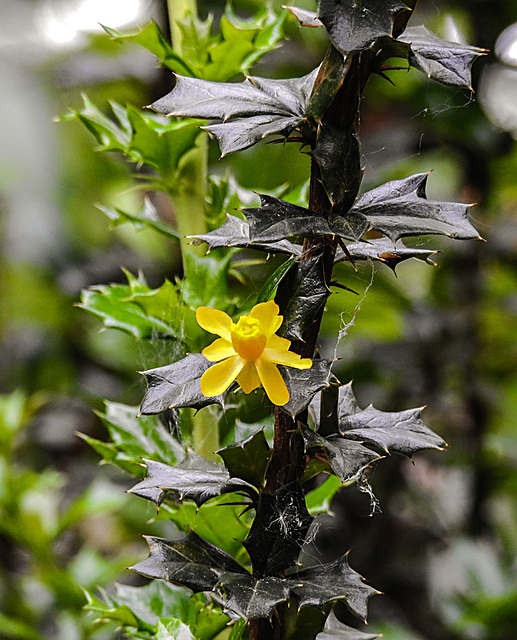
(177, 385)
(146, 218)
(347, 405)
(353, 26)
(336, 630)
(276, 220)
(333, 581)
(347, 459)
(191, 562)
(279, 530)
(248, 459)
(305, 18)
(223, 521)
(250, 110)
(182, 483)
(304, 384)
(400, 208)
(385, 251)
(250, 597)
(268, 291)
(235, 233)
(394, 432)
(328, 82)
(328, 414)
(447, 62)
(301, 294)
(339, 159)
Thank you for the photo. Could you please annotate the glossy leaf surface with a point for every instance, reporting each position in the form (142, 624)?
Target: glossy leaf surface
(304, 384)
(177, 385)
(336, 630)
(236, 233)
(248, 459)
(347, 459)
(400, 208)
(250, 110)
(354, 26)
(302, 293)
(446, 62)
(191, 562)
(187, 482)
(400, 432)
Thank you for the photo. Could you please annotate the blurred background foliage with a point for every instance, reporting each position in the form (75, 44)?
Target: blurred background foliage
(443, 549)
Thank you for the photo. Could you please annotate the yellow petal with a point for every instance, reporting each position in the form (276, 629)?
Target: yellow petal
(276, 342)
(248, 378)
(272, 382)
(218, 350)
(220, 376)
(267, 314)
(214, 321)
(287, 358)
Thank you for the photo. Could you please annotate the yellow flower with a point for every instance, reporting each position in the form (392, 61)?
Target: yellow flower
(248, 351)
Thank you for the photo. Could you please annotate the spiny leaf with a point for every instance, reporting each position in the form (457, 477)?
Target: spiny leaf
(305, 17)
(233, 49)
(135, 308)
(250, 110)
(177, 385)
(235, 233)
(384, 251)
(447, 62)
(354, 26)
(333, 581)
(304, 384)
(206, 283)
(146, 218)
(400, 432)
(336, 630)
(191, 562)
(276, 220)
(141, 138)
(397, 431)
(249, 597)
(184, 482)
(134, 437)
(279, 530)
(302, 292)
(143, 609)
(151, 38)
(400, 208)
(347, 459)
(248, 459)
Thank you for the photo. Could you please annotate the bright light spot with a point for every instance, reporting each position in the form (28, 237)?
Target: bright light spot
(87, 14)
(57, 32)
(497, 94)
(64, 21)
(506, 46)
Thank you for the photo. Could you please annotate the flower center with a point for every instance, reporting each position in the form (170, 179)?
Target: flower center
(248, 338)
